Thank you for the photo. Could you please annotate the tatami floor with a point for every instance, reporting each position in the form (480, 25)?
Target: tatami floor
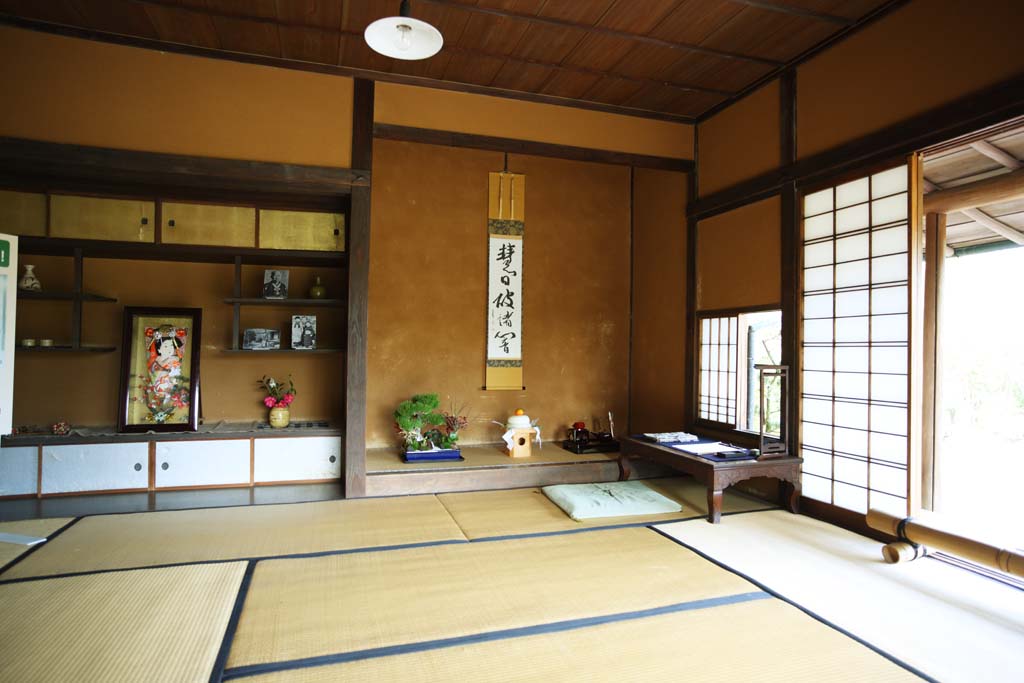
(480, 586)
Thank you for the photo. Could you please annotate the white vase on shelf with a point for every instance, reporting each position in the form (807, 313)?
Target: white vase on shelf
(29, 281)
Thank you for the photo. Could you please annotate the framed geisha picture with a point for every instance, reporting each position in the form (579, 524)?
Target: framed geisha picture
(159, 370)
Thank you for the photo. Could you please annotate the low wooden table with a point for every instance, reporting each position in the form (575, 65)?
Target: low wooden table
(716, 476)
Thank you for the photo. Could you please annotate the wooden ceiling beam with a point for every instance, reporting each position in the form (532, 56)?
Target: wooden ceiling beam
(601, 30)
(797, 11)
(1003, 188)
(999, 156)
(995, 225)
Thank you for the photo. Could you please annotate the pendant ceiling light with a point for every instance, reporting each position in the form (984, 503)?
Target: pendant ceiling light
(403, 37)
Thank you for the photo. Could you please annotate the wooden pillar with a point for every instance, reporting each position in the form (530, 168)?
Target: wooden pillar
(691, 350)
(934, 260)
(358, 286)
(791, 256)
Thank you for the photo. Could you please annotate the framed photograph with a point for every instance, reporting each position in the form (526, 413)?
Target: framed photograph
(261, 339)
(160, 370)
(275, 284)
(304, 332)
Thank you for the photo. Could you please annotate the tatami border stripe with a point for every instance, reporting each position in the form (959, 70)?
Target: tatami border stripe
(217, 675)
(624, 525)
(503, 634)
(368, 549)
(292, 556)
(352, 551)
(813, 615)
(37, 546)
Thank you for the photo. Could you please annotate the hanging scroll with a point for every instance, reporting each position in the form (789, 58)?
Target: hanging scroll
(505, 281)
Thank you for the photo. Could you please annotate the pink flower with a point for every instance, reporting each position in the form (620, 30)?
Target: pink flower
(269, 401)
(288, 398)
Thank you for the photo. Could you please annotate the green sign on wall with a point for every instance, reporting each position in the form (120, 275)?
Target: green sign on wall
(5, 253)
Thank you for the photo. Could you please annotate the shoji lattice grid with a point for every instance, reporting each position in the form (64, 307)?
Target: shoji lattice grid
(718, 360)
(855, 343)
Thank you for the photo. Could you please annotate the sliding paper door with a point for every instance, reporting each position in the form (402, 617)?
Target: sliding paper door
(855, 342)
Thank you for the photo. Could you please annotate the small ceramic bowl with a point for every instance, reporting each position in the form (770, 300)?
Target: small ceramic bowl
(46, 342)
(28, 342)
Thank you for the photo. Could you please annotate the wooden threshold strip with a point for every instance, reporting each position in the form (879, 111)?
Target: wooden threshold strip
(385, 131)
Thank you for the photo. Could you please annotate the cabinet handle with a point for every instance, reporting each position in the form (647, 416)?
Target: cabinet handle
(164, 466)
(170, 223)
(333, 458)
(138, 467)
(337, 232)
(145, 221)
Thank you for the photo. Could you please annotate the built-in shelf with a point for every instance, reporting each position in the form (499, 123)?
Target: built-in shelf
(62, 296)
(82, 348)
(219, 430)
(55, 246)
(253, 301)
(283, 350)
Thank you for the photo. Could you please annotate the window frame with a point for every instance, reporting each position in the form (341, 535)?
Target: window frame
(715, 428)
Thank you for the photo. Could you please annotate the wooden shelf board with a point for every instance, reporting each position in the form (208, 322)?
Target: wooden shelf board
(53, 246)
(63, 296)
(64, 348)
(283, 350)
(255, 301)
(238, 430)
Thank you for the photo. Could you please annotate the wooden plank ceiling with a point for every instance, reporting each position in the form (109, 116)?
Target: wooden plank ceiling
(674, 59)
(976, 158)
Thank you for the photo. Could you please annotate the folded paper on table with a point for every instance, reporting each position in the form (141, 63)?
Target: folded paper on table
(706, 448)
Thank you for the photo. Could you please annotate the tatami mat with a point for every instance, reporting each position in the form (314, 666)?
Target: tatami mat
(148, 625)
(158, 538)
(483, 514)
(764, 640)
(342, 603)
(28, 527)
(945, 621)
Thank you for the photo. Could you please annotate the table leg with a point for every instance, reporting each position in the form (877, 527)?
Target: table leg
(793, 490)
(624, 469)
(714, 505)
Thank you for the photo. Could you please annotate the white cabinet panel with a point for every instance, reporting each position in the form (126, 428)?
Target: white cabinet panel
(298, 458)
(95, 467)
(19, 470)
(202, 463)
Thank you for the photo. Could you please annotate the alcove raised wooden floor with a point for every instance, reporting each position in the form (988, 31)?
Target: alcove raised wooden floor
(486, 466)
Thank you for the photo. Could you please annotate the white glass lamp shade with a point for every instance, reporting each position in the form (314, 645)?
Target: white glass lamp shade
(403, 38)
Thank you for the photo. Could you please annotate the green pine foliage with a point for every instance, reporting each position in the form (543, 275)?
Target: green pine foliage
(422, 425)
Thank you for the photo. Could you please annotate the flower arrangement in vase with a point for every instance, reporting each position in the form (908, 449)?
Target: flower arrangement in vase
(279, 398)
(429, 433)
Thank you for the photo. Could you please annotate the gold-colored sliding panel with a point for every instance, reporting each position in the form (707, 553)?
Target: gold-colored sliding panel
(302, 230)
(99, 218)
(23, 213)
(208, 224)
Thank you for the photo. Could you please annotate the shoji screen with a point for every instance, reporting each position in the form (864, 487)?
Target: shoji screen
(718, 349)
(855, 343)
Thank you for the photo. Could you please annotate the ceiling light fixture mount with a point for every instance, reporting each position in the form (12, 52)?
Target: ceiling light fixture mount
(403, 37)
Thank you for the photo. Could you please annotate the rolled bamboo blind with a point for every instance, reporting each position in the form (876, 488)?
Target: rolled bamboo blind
(934, 532)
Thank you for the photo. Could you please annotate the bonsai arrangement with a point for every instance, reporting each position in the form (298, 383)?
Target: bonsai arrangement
(426, 429)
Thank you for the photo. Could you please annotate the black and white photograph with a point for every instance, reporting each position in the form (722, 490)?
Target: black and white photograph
(261, 339)
(304, 332)
(275, 284)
